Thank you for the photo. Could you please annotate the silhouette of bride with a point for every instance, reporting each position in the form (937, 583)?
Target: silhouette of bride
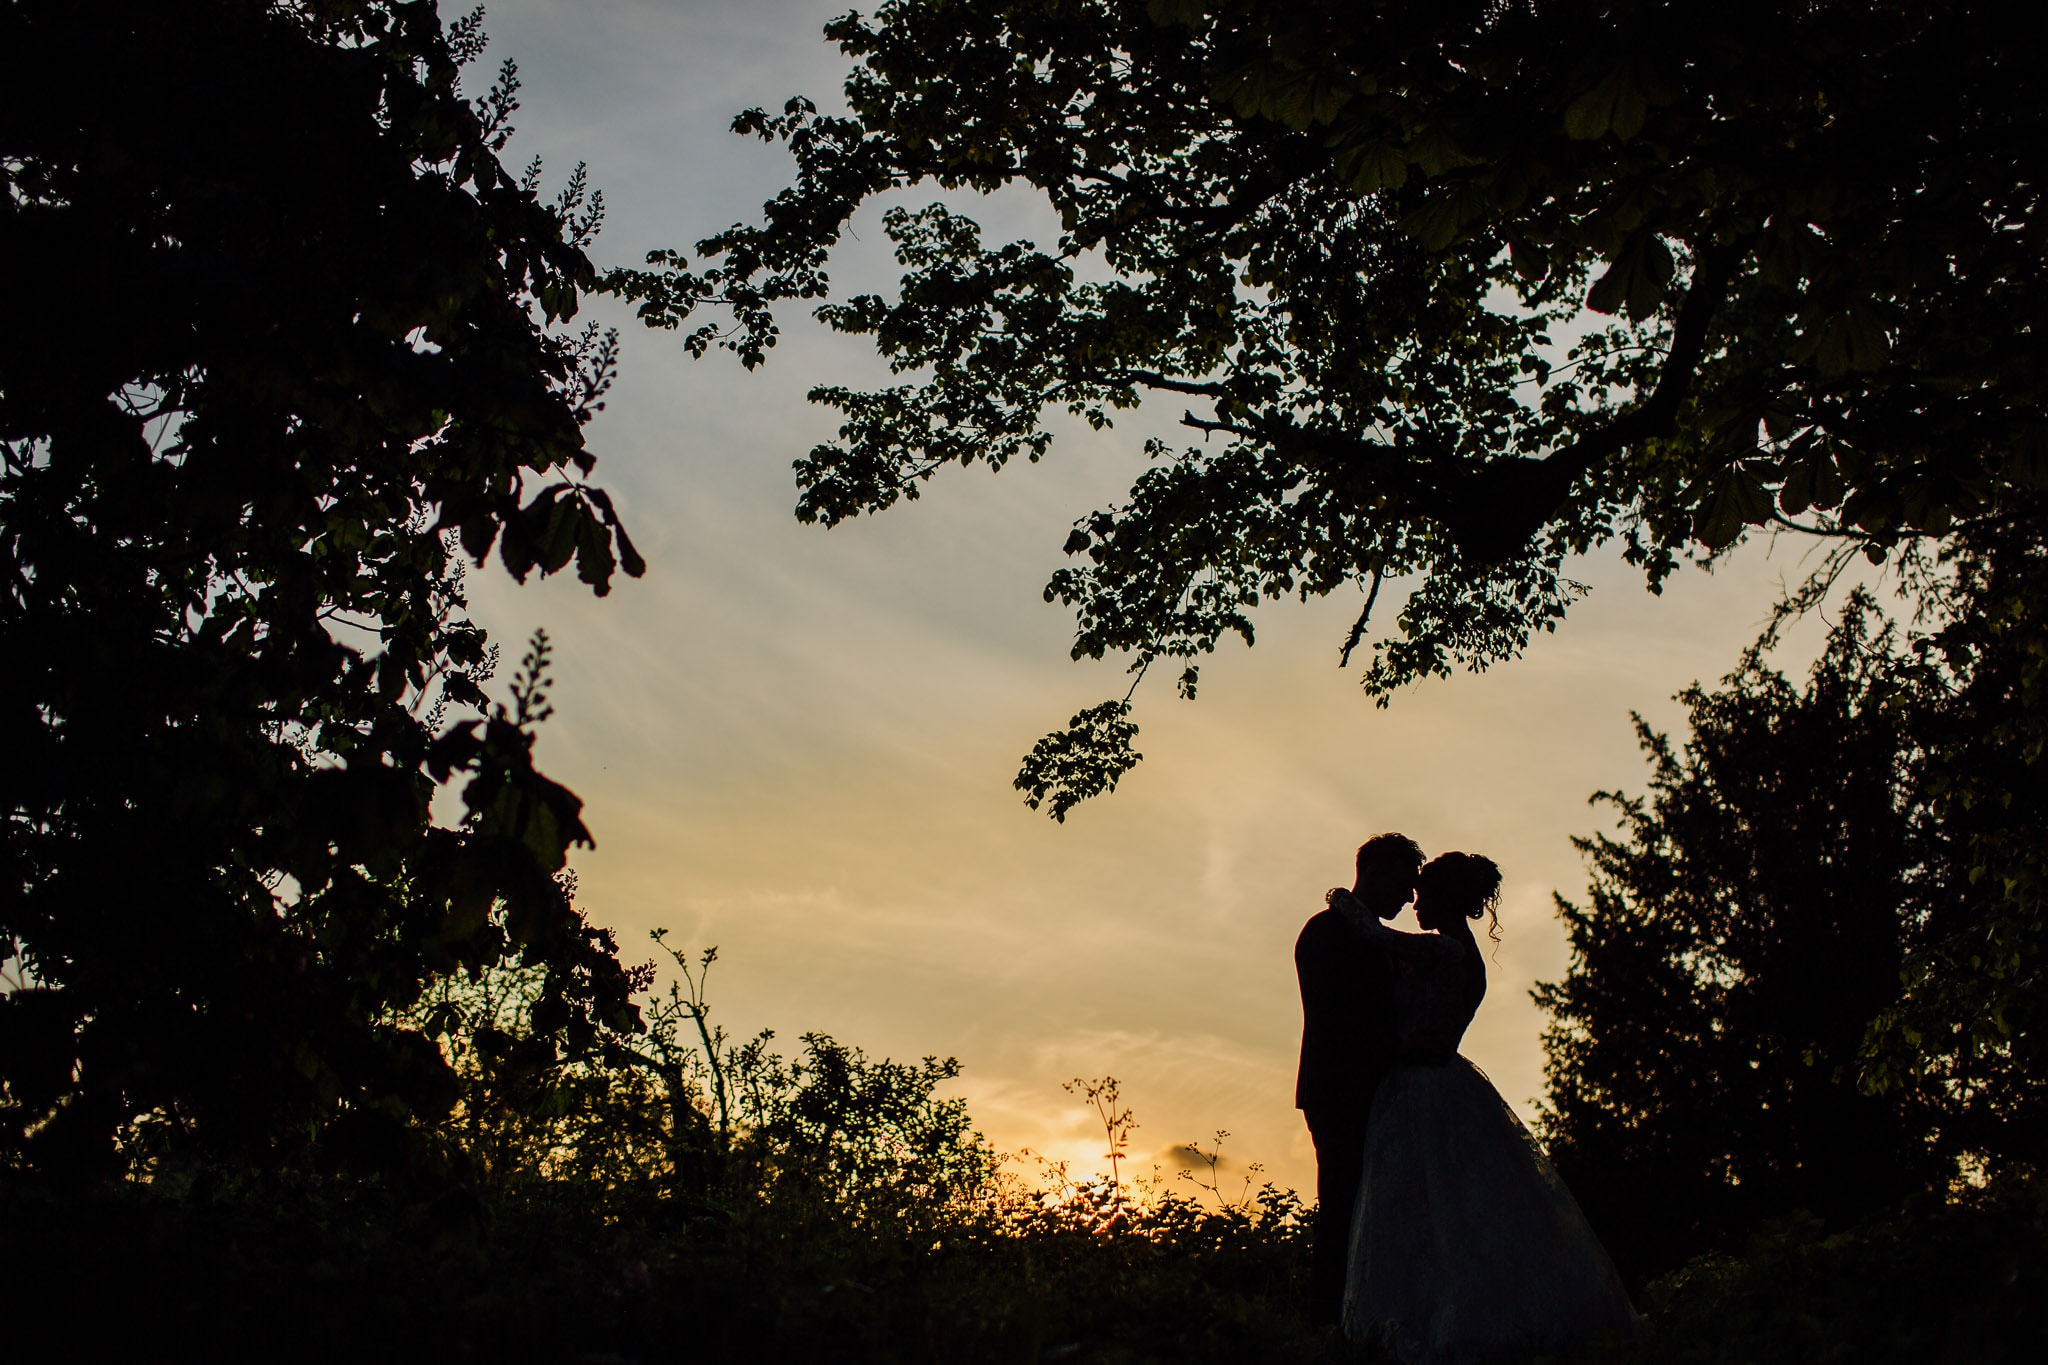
(1465, 1245)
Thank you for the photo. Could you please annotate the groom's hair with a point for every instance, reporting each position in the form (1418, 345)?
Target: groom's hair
(1389, 852)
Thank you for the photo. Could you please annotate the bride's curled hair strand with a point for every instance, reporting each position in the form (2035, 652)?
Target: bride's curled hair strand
(1470, 881)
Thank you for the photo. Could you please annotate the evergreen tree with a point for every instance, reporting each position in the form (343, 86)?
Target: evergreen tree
(1738, 940)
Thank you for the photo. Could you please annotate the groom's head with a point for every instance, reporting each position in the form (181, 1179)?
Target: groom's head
(1387, 866)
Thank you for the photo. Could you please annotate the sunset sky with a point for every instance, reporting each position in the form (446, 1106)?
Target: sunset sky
(797, 744)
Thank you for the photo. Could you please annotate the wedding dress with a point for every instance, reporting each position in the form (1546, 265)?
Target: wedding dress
(1465, 1245)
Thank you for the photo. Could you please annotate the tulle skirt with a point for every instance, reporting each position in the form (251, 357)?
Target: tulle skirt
(1465, 1245)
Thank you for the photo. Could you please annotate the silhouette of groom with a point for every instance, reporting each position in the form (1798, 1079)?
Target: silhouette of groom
(1347, 1047)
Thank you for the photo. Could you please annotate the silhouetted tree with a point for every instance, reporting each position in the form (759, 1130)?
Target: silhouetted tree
(282, 347)
(1738, 941)
(1373, 245)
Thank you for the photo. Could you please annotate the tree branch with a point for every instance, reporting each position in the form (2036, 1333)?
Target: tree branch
(1358, 626)
(1188, 419)
(1152, 380)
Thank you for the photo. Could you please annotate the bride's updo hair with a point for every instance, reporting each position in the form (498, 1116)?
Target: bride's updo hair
(1460, 884)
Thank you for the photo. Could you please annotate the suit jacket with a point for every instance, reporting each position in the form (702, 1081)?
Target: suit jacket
(1348, 1040)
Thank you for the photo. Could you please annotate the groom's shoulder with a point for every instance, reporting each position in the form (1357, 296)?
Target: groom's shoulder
(1325, 927)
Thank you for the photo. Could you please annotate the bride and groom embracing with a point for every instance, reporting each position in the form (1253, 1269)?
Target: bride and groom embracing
(1441, 1230)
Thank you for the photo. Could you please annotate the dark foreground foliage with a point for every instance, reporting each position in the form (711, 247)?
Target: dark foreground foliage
(708, 1200)
(698, 1199)
(331, 1274)
(1959, 1279)
(567, 1270)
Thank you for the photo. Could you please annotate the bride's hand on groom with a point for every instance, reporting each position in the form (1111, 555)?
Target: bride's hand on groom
(1349, 906)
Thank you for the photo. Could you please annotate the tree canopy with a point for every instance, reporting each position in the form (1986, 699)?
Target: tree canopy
(1451, 292)
(285, 348)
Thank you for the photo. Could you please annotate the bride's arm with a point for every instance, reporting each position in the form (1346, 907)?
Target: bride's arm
(1367, 924)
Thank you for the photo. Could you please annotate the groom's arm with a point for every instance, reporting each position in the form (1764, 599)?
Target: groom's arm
(1316, 964)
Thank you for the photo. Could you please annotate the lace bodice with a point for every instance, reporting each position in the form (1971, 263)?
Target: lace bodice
(1439, 981)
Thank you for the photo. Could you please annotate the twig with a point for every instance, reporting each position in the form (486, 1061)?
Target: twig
(1358, 626)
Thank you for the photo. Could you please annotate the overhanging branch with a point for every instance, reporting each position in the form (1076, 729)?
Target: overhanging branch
(1153, 380)
(1491, 514)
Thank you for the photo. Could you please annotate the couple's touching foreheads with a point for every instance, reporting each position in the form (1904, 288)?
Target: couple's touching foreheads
(1441, 1230)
